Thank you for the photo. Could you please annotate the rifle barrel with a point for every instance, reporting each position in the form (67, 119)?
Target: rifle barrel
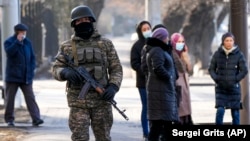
(121, 112)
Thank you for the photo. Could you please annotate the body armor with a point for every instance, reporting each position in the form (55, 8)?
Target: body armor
(90, 55)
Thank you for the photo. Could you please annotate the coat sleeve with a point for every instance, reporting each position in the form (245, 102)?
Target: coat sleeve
(57, 67)
(144, 67)
(33, 57)
(242, 68)
(157, 61)
(11, 46)
(114, 65)
(213, 67)
(135, 58)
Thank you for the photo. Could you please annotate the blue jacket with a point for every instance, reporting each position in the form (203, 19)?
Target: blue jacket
(227, 71)
(21, 61)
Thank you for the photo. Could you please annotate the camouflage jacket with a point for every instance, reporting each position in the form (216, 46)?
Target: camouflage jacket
(111, 63)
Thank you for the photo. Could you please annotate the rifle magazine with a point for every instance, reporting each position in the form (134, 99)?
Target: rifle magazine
(84, 90)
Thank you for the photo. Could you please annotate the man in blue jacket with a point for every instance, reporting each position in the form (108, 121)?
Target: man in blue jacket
(20, 68)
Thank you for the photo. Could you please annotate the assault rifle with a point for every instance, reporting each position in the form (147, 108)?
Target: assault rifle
(89, 82)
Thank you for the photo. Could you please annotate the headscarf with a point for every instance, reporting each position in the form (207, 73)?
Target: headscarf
(174, 39)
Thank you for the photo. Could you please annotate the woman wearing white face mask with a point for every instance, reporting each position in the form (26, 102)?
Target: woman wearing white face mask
(143, 30)
(185, 69)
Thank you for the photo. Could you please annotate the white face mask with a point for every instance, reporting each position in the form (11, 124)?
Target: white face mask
(179, 46)
(24, 36)
(147, 34)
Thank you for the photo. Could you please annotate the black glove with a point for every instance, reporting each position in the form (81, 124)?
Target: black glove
(71, 75)
(110, 92)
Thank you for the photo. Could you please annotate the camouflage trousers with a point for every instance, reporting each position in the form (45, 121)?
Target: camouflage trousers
(100, 119)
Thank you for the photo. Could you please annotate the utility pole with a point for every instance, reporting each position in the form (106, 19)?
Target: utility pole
(240, 30)
(10, 17)
(153, 11)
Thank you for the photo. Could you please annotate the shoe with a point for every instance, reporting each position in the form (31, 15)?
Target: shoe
(37, 122)
(145, 138)
(11, 124)
(162, 138)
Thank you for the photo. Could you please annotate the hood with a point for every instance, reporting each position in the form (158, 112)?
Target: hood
(138, 29)
(234, 50)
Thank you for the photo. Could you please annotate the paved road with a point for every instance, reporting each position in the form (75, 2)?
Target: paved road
(51, 98)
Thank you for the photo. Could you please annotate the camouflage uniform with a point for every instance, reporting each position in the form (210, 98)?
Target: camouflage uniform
(100, 58)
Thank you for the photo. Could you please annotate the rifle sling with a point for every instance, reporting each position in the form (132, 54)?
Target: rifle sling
(73, 44)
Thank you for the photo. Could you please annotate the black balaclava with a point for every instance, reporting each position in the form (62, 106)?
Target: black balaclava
(84, 30)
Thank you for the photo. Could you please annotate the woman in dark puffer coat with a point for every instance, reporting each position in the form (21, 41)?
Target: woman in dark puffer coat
(227, 68)
(162, 102)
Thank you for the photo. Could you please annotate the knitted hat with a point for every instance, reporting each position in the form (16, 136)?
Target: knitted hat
(160, 33)
(224, 36)
(20, 27)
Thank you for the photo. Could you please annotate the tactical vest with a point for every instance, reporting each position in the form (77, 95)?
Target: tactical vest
(92, 56)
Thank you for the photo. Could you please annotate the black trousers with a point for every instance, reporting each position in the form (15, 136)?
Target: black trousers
(10, 93)
(158, 129)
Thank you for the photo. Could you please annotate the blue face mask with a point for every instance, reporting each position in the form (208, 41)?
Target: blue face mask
(147, 34)
(179, 46)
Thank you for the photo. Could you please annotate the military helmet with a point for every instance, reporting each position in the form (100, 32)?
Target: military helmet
(81, 12)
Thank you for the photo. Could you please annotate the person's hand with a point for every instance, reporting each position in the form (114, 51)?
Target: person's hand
(109, 93)
(185, 48)
(71, 75)
(185, 56)
(20, 37)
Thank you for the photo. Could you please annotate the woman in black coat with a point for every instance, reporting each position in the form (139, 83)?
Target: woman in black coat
(162, 102)
(227, 68)
(143, 30)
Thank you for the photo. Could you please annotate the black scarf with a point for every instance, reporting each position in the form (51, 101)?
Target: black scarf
(84, 30)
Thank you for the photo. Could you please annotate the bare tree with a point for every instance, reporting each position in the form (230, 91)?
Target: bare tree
(96, 5)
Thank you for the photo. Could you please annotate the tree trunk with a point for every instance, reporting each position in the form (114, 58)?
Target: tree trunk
(96, 6)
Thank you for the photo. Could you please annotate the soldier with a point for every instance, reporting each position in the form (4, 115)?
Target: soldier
(88, 49)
